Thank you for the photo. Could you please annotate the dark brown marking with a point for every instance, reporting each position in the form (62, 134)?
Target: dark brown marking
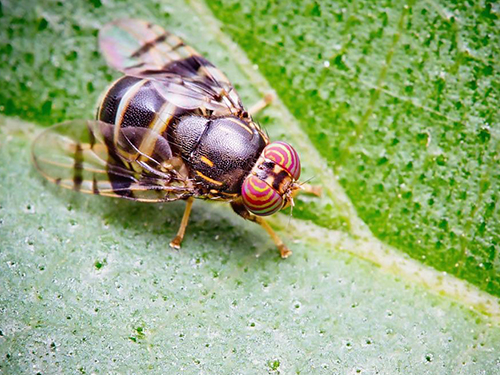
(91, 137)
(278, 179)
(120, 181)
(188, 67)
(135, 66)
(78, 167)
(178, 45)
(95, 189)
(146, 47)
(241, 210)
(57, 181)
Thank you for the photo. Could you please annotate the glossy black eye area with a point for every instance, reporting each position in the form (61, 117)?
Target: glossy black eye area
(268, 164)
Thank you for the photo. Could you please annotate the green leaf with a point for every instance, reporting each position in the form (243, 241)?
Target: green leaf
(89, 285)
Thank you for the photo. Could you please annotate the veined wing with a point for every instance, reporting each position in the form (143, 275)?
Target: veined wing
(83, 156)
(141, 49)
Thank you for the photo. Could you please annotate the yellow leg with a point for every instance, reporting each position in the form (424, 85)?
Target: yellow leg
(308, 189)
(240, 209)
(285, 252)
(261, 104)
(176, 242)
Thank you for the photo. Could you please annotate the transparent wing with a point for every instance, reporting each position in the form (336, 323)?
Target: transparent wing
(141, 49)
(92, 157)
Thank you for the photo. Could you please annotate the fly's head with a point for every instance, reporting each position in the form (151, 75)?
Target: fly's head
(270, 185)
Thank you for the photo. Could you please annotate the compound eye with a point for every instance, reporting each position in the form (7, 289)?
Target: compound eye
(260, 198)
(285, 156)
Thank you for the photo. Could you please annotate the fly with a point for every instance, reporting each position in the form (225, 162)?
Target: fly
(171, 128)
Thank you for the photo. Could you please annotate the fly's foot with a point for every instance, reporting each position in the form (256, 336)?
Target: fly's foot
(285, 252)
(261, 104)
(176, 243)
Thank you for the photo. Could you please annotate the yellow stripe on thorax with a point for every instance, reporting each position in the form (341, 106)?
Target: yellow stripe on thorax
(215, 182)
(207, 161)
(240, 123)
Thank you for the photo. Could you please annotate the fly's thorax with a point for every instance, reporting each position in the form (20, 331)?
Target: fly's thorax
(269, 186)
(219, 151)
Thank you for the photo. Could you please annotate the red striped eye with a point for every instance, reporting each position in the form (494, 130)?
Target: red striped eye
(285, 156)
(260, 198)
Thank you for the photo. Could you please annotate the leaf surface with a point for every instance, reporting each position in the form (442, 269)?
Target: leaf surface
(90, 285)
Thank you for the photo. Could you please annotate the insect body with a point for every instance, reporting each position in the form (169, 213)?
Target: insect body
(171, 128)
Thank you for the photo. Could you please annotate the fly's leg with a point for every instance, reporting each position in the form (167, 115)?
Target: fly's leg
(240, 209)
(285, 252)
(261, 104)
(176, 242)
(308, 189)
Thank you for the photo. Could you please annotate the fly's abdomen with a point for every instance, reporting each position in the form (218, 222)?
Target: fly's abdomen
(136, 102)
(130, 101)
(139, 114)
(140, 119)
